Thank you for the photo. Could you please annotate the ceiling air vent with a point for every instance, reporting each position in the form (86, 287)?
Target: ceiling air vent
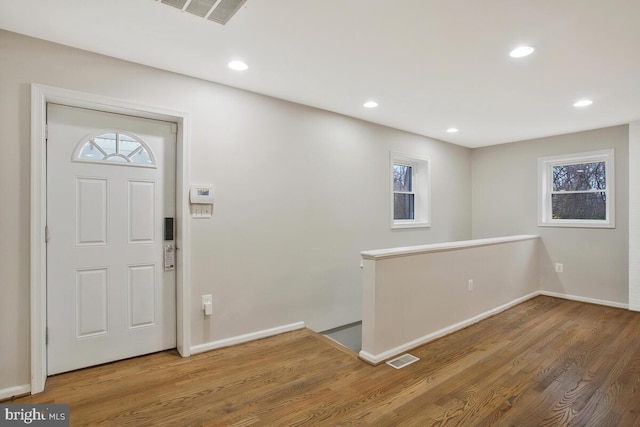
(225, 10)
(219, 11)
(175, 3)
(200, 7)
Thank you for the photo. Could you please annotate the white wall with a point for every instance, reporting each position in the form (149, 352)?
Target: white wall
(634, 216)
(504, 202)
(414, 295)
(300, 192)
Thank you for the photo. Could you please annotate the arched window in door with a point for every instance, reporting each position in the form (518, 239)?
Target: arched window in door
(116, 148)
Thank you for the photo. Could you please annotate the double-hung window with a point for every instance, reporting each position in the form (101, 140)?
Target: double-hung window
(577, 190)
(410, 191)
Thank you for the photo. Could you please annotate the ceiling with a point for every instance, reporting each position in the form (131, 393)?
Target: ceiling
(429, 64)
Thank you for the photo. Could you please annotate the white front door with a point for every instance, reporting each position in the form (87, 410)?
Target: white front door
(110, 186)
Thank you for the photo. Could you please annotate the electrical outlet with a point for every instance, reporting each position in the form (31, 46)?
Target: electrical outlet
(470, 285)
(206, 299)
(559, 268)
(207, 305)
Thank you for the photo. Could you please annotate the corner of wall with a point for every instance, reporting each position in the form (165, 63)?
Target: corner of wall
(634, 216)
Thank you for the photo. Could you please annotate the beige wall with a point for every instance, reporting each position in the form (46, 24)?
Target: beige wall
(414, 297)
(634, 216)
(504, 202)
(300, 192)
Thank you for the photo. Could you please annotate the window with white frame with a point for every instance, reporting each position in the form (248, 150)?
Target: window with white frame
(410, 191)
(577, 190)
(114, 147)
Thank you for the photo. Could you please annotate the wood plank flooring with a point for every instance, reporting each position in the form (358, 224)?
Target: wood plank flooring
(545, 362)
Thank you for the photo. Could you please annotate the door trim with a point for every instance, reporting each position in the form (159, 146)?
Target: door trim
(40, 96)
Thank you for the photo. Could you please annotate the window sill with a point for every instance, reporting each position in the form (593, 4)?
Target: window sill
(577, 224)
(401, 225)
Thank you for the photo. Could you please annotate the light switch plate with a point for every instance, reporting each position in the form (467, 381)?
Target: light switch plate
(199, 210)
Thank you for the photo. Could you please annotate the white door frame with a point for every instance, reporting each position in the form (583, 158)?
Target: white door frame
(40, 96)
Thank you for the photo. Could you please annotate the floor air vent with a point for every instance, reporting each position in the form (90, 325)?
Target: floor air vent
(402, 361)
(219, 11)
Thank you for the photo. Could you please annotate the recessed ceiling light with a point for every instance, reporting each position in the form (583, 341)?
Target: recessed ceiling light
(238, 65)
(521, 51)
(452, 130)
(370, 104)
(583, 103)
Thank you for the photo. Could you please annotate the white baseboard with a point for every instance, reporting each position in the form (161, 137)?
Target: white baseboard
(7, 393)
(375, 359)
(585, 299)
(201, 348)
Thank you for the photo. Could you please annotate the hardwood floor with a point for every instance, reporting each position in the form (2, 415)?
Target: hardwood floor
(545, 362)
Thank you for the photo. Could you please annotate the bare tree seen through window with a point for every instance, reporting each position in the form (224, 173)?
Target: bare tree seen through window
(579, 191)
(403, 196)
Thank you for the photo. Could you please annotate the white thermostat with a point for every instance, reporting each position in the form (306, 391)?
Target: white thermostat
(201, 194)
(201, 198)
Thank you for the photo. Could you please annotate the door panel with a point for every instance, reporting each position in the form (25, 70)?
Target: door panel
(142, 215)
(141, 295)
(91, 302)
(110, 183)
(91, 211)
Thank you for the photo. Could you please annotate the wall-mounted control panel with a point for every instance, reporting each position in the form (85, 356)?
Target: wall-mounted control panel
(168, 229)
(201, 199)
(201, 194)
